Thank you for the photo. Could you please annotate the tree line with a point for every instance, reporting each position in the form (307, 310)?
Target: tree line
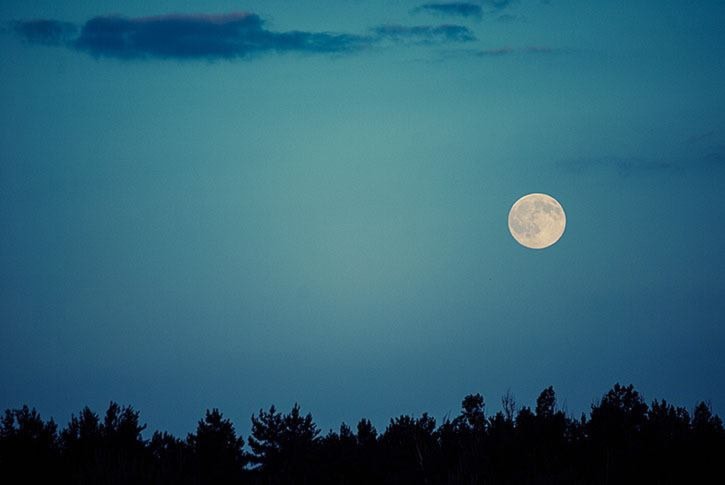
(621, 440)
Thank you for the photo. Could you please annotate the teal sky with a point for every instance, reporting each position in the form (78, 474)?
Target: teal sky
(327, 224)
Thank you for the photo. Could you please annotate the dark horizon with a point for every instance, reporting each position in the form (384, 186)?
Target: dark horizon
(493, 405)
(621, 440)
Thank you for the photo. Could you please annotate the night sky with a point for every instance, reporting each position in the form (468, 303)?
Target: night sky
(237, 204)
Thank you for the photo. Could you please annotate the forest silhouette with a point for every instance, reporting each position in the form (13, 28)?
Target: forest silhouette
(622, 440)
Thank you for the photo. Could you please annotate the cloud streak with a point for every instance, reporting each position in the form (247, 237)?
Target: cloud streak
(46, 32)
(495, 52)
(510, 51)
(497, 4)
(424, 33)
(461, 9)
(224, 36)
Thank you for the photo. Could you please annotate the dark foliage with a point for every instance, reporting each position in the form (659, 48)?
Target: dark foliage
(623, 440)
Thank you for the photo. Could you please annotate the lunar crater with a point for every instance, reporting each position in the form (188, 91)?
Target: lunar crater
(537, 221)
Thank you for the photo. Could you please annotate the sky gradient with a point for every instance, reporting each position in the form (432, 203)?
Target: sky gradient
(225, 204)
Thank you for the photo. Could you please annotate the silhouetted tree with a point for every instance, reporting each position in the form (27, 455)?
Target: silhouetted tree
(708, 441)
(508, 404)
(461, 441)
(217, 451)
(615, 432)
(473, 416)
(81, 442)
(550, 439)
(111, 451)
(28, 446)
(704, 423)
(664, 438)
(283, 445)
(409, 448)
(338, 455)
(366, 434)
(367, 452)
(172, 459)
(546, 403)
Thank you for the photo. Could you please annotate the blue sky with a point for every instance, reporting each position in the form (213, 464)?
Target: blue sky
(308, 202)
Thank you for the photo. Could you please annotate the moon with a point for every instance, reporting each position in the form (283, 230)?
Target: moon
(537, 221)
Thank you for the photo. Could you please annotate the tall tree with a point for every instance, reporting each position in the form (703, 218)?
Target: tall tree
(28, 446)
(284, 446)
(217, 450)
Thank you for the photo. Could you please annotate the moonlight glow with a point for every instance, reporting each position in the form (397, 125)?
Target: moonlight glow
(537, 221)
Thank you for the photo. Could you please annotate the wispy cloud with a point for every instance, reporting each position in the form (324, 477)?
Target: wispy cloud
(424, 33)
(491, 6)
(461, 9)
(224, 36)
(497, 4)
(506, 51)
(498, 51)
(47, 32)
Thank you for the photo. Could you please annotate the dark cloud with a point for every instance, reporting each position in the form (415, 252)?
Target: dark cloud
(462, 9)
(201, 36)
(226, 36)
(424, 33)
(47, 32)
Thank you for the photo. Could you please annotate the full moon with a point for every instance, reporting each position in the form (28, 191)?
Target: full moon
(537, 221)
